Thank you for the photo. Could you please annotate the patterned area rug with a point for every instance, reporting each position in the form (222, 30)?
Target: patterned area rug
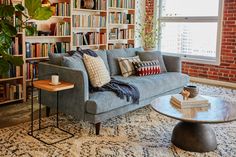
(143, 132)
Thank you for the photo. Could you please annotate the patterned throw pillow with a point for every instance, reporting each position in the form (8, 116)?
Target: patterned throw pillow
(126, 65)
(147, 67)
(97, 71)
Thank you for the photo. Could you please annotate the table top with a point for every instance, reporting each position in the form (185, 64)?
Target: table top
(219, 111)
(44, 85)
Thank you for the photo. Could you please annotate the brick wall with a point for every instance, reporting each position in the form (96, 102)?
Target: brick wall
(226, 71)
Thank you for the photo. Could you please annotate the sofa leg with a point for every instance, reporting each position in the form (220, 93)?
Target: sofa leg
(47, 111)
(97, 127)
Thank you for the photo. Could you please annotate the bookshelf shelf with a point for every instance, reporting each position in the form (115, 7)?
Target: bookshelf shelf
(67, 17)
(11, 78)
(120, 9)
(29, 80)
(36, 58)
(88, 10)
(11, 101)
(37, 37)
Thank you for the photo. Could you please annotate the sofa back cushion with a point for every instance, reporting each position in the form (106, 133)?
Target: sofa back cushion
(56, 58)
(150, 56)
(103, 55)
(74, 62)
(113, 55)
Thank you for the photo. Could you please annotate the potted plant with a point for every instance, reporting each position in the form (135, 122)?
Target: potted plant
(149, 32)
(33, 10)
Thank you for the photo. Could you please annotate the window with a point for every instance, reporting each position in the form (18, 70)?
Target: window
(191, 29)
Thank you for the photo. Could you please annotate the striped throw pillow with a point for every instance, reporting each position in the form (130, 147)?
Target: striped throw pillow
(126, 65)
(147, 67)
(97, 71)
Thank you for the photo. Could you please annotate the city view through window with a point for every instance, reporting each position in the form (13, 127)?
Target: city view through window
(189, 27)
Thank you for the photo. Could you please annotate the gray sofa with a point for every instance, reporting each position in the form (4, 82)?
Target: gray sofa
(100, 106)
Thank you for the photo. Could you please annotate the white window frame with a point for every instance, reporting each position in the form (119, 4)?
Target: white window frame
(200, 19)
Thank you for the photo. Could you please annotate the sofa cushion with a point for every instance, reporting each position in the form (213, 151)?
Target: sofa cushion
(56, 58)
(149, 86)
(113, 55)
(74, 62)
(103, 55)
(97, 71)
(147, 68)
(155, 55)
(126, 65)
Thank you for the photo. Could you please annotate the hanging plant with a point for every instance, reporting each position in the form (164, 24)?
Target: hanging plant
(33, 10)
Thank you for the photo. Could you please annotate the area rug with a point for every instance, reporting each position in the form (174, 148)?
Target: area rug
(143, 132)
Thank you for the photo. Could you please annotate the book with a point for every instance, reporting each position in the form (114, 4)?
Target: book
(189, 105)
(196, 100)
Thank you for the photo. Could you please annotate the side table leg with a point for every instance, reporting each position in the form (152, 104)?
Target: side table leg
(40, 107)
(32, 110)
(57, 107)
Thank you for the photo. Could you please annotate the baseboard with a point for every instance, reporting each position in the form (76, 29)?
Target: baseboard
(213, 82)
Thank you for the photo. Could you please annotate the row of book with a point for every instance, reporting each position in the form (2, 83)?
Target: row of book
(42, 49)
(130, 4)
(89, 21)
(117, 33)
(98, 4)
(10, 91)
(119, 46)
(16, 47)
(90, 38)
(60, 29)
(62, 9)
(31, 71)
(120, 18)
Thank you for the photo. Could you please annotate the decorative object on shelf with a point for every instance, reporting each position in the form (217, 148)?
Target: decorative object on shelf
(8, 30)
(87, 4)
(193, 90)
(185, 94)
(150, 33)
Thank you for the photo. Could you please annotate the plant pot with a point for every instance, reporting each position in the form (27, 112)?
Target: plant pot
(150, 49)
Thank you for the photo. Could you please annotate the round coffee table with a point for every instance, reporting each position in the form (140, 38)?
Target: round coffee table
(193, 133)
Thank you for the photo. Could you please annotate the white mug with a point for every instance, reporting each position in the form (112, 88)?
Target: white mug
(55, 79)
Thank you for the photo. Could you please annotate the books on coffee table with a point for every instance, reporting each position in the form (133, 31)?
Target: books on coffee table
(198, 101)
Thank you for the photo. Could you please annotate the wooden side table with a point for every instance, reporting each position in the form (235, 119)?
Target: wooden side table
(45, 85)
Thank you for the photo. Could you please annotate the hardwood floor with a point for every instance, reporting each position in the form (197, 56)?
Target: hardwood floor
(13, 114)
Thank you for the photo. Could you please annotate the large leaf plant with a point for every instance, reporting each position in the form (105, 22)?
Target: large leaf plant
(31, 10)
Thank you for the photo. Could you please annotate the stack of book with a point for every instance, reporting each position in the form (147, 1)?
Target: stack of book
(198, 101)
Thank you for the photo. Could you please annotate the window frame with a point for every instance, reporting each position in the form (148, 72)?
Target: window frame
(193, 19)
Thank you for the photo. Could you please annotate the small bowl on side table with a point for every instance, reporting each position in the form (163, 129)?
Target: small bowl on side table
(193, 90)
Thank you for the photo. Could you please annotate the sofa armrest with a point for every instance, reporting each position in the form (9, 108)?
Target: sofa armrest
(71, 101)
(172, 63)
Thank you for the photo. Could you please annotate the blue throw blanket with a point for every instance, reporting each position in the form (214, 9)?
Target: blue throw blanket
(121, 89)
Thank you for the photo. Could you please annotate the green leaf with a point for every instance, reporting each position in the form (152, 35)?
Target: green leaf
(30, 30)
(15, 60)
(5, 41)
(6, 10)
(42, 13)
(19, 7)
(8, 29)
(32, 6)
(4, 67)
